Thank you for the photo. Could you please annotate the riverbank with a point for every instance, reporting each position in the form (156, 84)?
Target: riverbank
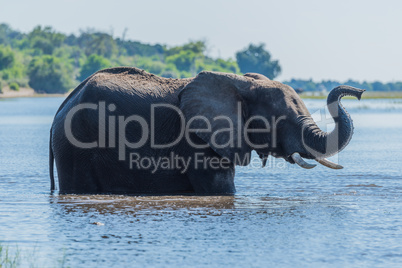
(30, 93)
(25, 93)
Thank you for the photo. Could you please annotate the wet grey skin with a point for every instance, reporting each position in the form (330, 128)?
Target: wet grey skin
(210, 95)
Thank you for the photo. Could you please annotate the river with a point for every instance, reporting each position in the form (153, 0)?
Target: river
(280, 216)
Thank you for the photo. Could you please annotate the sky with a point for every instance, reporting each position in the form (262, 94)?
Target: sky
(337, 40)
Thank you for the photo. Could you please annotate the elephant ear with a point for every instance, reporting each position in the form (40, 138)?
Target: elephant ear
(214, 98)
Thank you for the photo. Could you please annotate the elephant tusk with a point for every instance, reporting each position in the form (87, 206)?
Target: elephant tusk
(329, 164)
(299, 160)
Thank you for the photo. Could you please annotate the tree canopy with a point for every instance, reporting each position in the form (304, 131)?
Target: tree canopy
(52, 62)
(7, 58)
(49, 74)
(255, 59)
(93, 64)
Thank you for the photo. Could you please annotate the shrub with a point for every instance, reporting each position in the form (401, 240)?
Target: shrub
(21, 82)
(7, 57)
(15, 72)
(50, 74)
(14, 86)
(255, 59)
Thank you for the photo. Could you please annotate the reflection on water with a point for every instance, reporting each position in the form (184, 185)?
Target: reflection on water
(143, 204)
(281, 215)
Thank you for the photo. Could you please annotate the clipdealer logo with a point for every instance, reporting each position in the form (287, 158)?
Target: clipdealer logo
(108, 126)
(112, 130)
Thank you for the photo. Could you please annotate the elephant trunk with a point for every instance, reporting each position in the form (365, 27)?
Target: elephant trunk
(323, 144)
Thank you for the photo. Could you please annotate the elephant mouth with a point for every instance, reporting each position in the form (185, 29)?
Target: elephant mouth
(264, 157)
(296, 158)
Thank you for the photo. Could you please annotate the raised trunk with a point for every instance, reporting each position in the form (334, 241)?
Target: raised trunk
(322, 144)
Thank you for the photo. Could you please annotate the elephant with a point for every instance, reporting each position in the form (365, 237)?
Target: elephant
(126, 131)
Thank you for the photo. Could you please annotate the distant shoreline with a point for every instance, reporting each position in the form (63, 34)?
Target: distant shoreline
(30, 93)
(366, 95)
(26, 93)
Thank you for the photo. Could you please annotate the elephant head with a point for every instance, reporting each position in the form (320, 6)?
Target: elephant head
(252, 112)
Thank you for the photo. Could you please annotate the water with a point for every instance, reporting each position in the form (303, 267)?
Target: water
(281, 215)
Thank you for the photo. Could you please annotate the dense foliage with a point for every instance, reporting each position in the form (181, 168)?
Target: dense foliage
(53, 62)
(49, 74)
(256, 59)
(92, 64)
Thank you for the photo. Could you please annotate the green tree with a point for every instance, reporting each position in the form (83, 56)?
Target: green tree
(93, 64)
(12, 68)
(378, 86)
(14, 86)
(368, 86)
(49, 74)
(8, 36)
(7, 58)
(151, 66)
(184, 60)
(218, 65)
(187, 58)
(329, 84)
(228, 65)
(97, 43)
(197, 47)
(45, 39)
(395, 86)
(305, 85)
(353, 83)
(255, 59)
(131, 48)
